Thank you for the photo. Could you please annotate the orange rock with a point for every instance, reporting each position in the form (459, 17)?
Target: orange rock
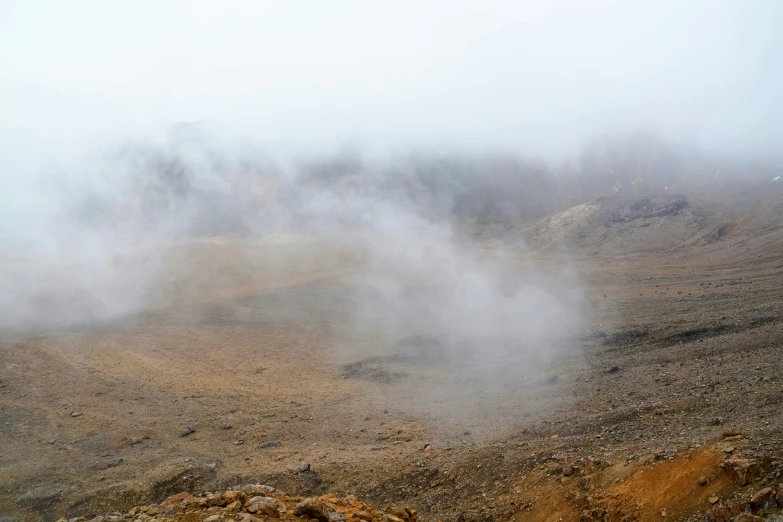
(744, 471)
(174, 501)
(234, 506)
(724, 513)
(763, 497)
(229, 497)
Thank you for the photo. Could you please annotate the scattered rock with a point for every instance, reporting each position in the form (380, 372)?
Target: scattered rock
(187, 431)
(315, 508)
(764, 499)
(568, 471)
(613, 369)
(747, 517)
(304, 467)
(174, 501)
(257, 489)
(713, 499)
(76, 414)
(717, 421)
(231, 496)
(724, 513)
(134, 441)
(400, 514)
(246, 517)
(113, 463)
(270, 444)
(212, 518)
(265, 506)
(227, 426)
(586, 483)
(742, 470)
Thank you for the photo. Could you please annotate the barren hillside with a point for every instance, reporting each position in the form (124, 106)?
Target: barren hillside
(666, 403)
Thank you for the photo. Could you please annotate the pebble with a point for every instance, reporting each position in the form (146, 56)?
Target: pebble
(187, 431)
(270, 444)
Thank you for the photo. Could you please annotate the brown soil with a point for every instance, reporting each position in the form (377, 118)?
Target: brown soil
(684, 341)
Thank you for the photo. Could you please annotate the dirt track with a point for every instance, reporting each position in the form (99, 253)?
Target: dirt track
(684, 340)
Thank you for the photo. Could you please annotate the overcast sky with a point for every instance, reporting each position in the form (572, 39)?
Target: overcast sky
(530, 76)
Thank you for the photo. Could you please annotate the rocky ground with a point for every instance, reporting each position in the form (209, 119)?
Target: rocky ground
(667, 406)
(254, 502)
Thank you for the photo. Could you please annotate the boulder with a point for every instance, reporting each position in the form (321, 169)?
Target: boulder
(174, 501)
(724, 513)
(742, 470)
(265, 506)
(764, 499)
(315, 508)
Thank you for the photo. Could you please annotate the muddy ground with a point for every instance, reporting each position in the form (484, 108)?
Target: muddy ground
(677, 368)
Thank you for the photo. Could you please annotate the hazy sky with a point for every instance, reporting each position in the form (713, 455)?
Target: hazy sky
(533, 76)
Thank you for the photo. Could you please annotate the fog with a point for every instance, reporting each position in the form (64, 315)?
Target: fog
(532, 77)
(385, 136)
